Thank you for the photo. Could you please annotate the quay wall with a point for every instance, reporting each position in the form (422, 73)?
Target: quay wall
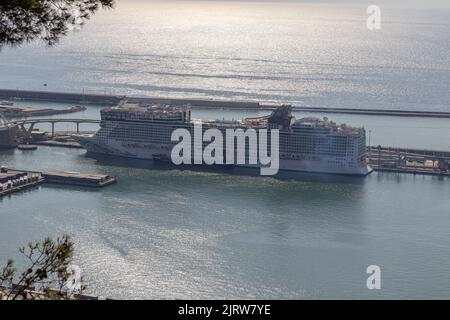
(197, 103)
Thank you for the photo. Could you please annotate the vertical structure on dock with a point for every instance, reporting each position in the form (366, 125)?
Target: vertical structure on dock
(8, 133)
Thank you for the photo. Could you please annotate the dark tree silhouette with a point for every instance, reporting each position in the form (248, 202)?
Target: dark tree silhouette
(48, 276)
(27, 20)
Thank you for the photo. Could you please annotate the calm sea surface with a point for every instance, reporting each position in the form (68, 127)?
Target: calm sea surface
(169, 233)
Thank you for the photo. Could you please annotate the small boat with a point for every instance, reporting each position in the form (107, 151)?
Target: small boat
(6, 103)
(161, 158)
(26, 147)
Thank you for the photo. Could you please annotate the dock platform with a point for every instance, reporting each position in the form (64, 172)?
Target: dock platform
(78, 179)
(53, 143)
(413, 161)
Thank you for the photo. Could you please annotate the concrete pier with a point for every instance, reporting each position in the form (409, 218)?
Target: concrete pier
(78, 179)
(10, 94)
(415, 161)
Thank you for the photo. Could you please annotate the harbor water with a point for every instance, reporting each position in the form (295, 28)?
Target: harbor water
(162, 233)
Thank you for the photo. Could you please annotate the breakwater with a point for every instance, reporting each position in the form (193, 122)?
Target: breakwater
(407, 160)
(105, 99)
(59, 96)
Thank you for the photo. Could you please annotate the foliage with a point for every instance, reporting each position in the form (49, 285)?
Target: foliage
(48, 276)
(26, 20)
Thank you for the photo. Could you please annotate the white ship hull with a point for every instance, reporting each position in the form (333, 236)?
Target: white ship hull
(156, 151)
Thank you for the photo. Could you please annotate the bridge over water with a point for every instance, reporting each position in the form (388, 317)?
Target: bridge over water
(27, 126)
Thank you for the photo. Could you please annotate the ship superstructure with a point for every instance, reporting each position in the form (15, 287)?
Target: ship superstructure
(307, 144)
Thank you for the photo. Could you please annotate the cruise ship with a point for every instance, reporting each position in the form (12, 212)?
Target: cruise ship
(308, 144)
